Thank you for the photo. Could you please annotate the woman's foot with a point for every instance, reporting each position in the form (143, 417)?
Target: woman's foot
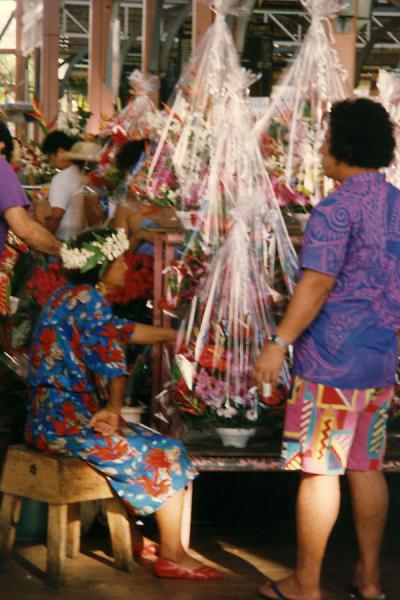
(184, 566)
(145, 549)
(368, 586)
(289, 588)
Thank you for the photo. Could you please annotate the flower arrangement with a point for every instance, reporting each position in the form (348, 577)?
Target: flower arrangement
(139, 280)
(73, 121)
(33, 167)
(295, 116)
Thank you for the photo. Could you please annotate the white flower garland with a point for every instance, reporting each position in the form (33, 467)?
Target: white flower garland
(106, 249)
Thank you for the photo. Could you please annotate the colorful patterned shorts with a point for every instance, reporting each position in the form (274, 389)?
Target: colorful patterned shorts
(329, 429)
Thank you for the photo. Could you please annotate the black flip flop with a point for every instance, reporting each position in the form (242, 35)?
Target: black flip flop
(355, 593)
(274, 587)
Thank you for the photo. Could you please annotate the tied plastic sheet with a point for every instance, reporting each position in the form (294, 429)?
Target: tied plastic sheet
(252, 264)
(140, 118)
(295, 118)
(181, 159)
(389, 95)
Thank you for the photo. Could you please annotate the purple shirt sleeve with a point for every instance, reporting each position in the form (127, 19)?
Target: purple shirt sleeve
(11, 191)
(326, 236)
(11, 194)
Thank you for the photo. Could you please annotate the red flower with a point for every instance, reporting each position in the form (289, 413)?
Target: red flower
(45, 281)
(139, 280)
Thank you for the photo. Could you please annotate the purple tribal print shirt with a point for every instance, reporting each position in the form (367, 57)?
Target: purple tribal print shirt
(354, 235)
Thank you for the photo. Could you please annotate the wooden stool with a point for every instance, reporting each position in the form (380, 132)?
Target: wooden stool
(62, 483)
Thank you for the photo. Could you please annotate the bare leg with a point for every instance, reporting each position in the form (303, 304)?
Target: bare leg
(169, 520)
(318, 504)
(369, 495)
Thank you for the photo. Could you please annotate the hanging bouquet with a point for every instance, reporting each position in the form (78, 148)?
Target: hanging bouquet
(389, 95)
(140, 119)
(73, 121)
(241, 235)
(292, 130)
(33, 167)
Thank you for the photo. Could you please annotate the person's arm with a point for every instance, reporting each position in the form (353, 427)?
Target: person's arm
(41, 210)
(32, 233)
(308, 299)
(106, 420)
(148, 334)
(93, 211)
(120, 219)
(53, 218)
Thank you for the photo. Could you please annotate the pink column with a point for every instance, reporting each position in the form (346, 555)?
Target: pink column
(202, 18)
(100, 99)
(49, 60)
(20, 70)
(148, 15)
(345, 44)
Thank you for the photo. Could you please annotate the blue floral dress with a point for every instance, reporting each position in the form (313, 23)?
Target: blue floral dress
(78, 347)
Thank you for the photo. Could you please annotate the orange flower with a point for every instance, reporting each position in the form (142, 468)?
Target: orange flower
(153, 488)
(156, 459)
(112, 452)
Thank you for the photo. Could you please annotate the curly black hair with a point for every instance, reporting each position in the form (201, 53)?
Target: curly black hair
(361, 133)
(56, 140)
(129, 154)
(6, 138)
(92, 276)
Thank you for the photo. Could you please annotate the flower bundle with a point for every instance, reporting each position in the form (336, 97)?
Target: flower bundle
(184, 152)
(389, 95)
(140, 118)
(33, 167)
(292, 129)
(139, 280)
(44, 281)
(241, 234)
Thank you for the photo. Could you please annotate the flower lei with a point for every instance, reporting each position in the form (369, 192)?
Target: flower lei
(101, 251)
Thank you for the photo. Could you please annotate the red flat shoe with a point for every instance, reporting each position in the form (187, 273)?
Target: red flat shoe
(146, 551)
(168, 568)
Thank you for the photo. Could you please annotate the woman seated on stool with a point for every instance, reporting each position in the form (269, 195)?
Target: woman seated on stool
(77, 380)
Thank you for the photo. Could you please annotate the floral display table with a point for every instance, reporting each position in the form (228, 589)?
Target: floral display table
(264, 456)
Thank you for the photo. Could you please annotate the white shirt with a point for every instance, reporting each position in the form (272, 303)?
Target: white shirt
(65, 193)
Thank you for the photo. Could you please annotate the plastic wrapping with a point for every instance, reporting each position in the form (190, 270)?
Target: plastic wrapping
(293, 127)
(389, 95)
(252, 268)
(180, 161)
(140, 119)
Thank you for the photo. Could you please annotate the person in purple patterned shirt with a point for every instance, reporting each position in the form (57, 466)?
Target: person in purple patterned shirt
(13, 205)
(342, 320)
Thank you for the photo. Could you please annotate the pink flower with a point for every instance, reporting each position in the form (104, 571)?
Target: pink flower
(228, 412)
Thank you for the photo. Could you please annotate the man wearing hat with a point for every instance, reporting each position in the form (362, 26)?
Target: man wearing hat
(66, 217)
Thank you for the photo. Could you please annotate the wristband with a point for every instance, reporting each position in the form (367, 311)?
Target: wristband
(276, 340)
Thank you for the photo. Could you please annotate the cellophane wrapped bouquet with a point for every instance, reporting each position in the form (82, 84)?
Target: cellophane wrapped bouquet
(182, 159)
(389, 96)
(251, 264)
(293, 127)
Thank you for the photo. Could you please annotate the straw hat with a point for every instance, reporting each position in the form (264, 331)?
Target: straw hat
(87, 151)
